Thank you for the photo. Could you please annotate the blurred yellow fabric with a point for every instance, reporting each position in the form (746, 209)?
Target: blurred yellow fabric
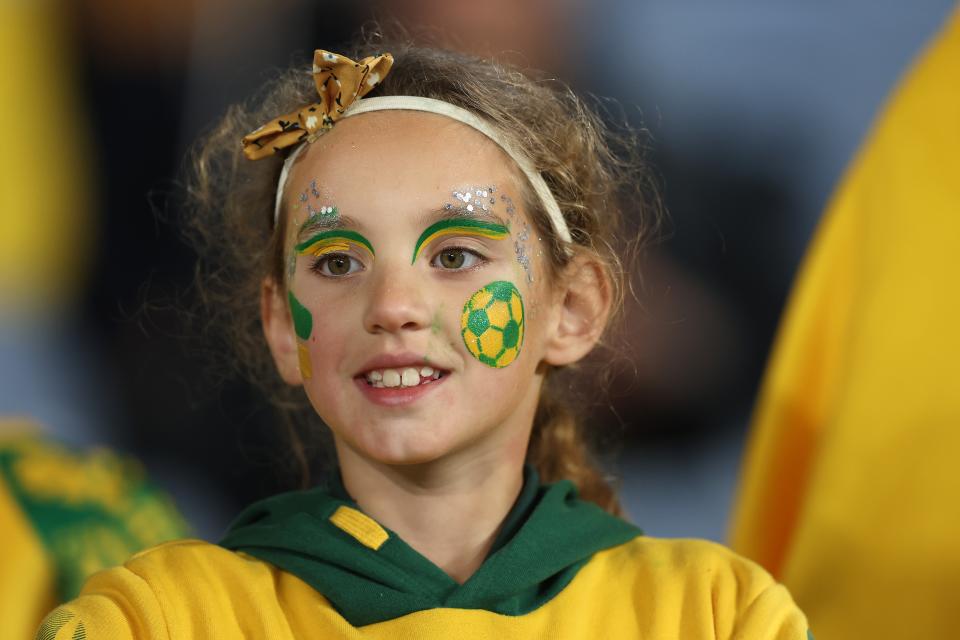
(65, 515)
(851, 479)
(45, 233)
(26, 573)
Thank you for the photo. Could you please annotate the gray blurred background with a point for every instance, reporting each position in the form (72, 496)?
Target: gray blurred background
(753, 109)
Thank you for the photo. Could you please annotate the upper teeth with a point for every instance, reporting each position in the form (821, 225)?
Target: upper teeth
(407, 377)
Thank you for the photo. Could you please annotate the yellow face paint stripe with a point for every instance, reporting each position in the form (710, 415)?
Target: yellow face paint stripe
(323, 248)
(303, 355)
(331, 241)
(477, 228)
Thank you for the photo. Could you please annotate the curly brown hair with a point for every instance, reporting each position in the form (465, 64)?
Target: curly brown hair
(588, 167)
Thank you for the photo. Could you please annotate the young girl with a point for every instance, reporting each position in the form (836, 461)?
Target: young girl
(428, 238)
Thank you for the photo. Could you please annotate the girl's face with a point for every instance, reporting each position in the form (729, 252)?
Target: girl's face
(419, 297)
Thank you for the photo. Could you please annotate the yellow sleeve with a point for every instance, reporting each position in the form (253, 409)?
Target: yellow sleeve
(184, 589)
(700, 589)
(748, 604)
(772, 615)
(116, 604)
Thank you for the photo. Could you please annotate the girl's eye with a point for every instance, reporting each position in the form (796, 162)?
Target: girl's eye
(336, 265)
(456, 258)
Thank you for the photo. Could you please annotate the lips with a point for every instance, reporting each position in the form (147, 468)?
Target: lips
(411, 376)
(400, 371)
(396, 380)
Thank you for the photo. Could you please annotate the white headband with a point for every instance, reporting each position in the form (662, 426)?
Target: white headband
(414, 103)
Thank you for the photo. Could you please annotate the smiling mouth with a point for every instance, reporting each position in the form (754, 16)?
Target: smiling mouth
(404, 377)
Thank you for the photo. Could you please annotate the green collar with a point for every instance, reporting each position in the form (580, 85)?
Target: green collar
(370, 575)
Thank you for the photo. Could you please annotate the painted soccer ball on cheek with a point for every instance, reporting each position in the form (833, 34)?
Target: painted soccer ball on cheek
(492, 324)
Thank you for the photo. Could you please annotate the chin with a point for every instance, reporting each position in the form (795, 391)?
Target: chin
(398, 446)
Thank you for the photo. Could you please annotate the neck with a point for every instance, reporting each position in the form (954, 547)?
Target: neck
(449, 510)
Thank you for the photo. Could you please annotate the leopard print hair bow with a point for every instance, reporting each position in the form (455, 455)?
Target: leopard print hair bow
(339, 82)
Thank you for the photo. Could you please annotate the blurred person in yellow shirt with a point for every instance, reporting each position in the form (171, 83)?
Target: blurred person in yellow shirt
(47, 226)
(45, 221)
(850, 482)
(65, 515)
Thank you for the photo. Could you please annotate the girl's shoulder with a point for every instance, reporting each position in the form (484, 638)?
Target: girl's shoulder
(690, 583)
(684, 562)
(176, 586)
(681, 555)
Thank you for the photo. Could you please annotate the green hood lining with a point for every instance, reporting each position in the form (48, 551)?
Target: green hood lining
(547, 536)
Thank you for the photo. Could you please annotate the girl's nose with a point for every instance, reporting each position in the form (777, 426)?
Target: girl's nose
(397, 303)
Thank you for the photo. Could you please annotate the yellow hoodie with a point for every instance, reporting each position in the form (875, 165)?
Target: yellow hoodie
(312, 565)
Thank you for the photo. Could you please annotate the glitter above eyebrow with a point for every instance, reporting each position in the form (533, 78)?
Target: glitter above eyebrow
(459, 226)
(320, 220)
(335, 240)
(325, 216)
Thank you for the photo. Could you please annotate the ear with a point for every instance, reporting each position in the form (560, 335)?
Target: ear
(278, 329)
(582, 309)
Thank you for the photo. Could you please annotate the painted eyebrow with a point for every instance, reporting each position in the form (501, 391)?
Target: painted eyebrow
(325, 221)
(333, 240)
(460, 225)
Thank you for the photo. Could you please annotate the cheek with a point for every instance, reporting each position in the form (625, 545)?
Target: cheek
(321, 334)
(492, 324)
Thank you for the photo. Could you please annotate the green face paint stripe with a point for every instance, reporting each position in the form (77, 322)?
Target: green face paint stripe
(338, 234)
(302, 318)
(459, 225)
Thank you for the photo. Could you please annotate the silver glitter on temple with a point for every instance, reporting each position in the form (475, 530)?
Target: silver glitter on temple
(520, 247)
(520, 240)
(304, 199)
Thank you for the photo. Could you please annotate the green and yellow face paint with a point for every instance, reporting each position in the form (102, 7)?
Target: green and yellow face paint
(320, 244)
(334, 241)
(459, 227)
(303, 327)
(492, 324)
